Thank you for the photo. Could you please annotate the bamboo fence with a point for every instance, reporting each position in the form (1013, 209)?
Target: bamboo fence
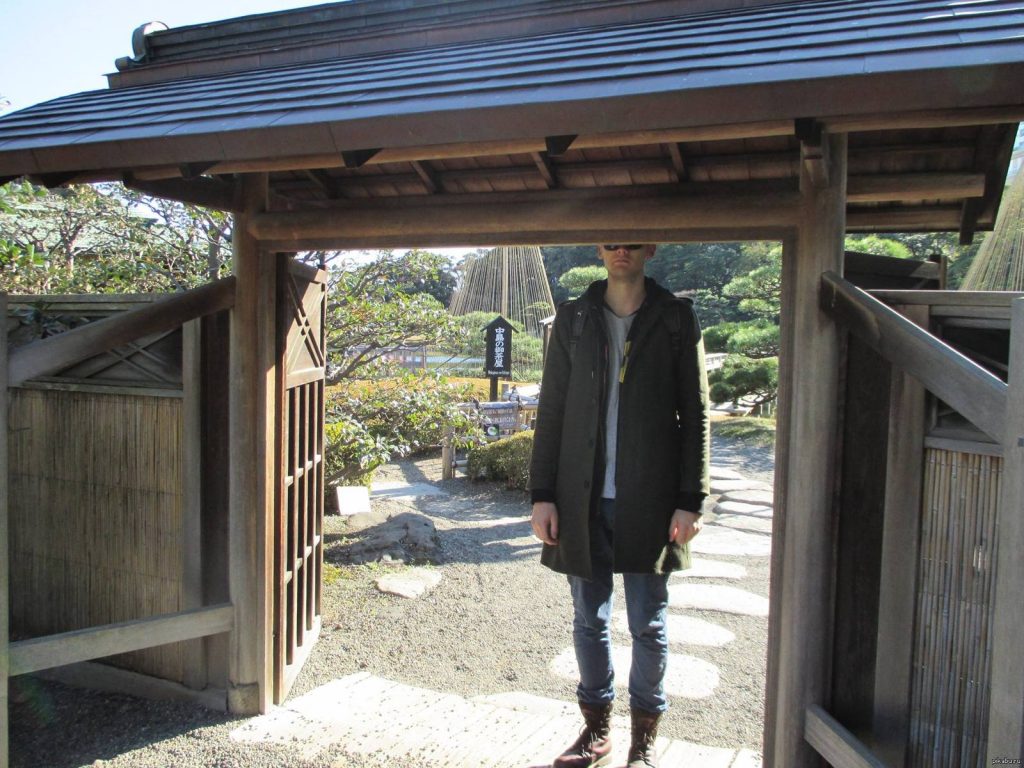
(953, 636)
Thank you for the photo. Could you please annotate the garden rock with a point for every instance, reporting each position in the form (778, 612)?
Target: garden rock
(410, 584)
(379, 535)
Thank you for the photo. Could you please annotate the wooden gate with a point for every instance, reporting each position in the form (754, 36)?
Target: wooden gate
(298, 528)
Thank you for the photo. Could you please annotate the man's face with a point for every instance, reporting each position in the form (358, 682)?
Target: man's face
(625, 261)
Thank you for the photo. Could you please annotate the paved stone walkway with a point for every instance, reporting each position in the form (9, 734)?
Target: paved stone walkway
(374, 716)
(514, 729)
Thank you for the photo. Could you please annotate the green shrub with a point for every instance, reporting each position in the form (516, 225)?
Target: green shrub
(748, 429)
(507, 459)
(371, 422)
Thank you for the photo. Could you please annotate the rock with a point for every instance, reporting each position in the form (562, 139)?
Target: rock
(724, 473)
(716, 540)
(742, 508)
(412, 583)
(724, 486)
(399, 538)
(745, 523)
(711, 569)
(712, 597)
(764, 498)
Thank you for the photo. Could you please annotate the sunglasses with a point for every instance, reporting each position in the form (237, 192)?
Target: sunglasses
(635, 247)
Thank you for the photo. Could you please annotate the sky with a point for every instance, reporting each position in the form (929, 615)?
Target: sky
(54, 48)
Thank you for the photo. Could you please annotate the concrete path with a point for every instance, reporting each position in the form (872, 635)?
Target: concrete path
(374, 716)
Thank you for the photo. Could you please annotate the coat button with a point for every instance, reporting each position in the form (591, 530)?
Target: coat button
(591, 442)
(586, 483)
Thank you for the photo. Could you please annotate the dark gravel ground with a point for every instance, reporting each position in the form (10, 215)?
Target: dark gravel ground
(492, 625)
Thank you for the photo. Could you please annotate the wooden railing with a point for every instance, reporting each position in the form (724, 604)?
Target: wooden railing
(963, 384)
(58, 352)
(836, 744)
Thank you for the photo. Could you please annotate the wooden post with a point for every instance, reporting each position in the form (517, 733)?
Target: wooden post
(900, 541)
(195, 673)
(1006, 711)
(4, 547)
(801, 634)
(251, 480)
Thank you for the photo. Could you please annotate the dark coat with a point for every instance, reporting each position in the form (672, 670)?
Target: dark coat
(663, 435)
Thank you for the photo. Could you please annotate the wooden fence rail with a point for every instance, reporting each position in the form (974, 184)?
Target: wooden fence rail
(97, 642)
(967, 387)
(836, 744)
(57, 352)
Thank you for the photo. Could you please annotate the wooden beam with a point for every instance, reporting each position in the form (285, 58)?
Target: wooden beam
(428, 176)
(675, 151)
(195, 170)
(935, 118)
(5, 559)
(588, 236)
(57, 352)
(194, 670)
(546, 169)
(681, 211)
(963, 384)
(1003, 299)
(994, 149)
(325, 183)
(813, 151)
(1006, 708)
(900, 528)
(915, 186)
(931, 218)
(253, 363)
(96, 642)
(839, 747)
(801, 640)
(204, 192)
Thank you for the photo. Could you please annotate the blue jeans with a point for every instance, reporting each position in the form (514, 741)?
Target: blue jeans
(646, 603)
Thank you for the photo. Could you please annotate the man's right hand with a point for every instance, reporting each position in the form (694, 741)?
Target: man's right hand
(545, 522)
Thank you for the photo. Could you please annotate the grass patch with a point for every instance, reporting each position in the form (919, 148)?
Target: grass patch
(332, 573)
(748, 429)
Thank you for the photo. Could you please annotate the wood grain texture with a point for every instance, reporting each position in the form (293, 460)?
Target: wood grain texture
(803, 601)
(96, 642)
(4, 546)
(900, 542)
(251, 479)
(958, 380)
(835, 743)
(1006, 718)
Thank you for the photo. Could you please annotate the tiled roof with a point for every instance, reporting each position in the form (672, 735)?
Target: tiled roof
(742, 65)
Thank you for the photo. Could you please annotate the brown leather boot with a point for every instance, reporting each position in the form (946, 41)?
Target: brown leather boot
(645, 731)
(594, 745)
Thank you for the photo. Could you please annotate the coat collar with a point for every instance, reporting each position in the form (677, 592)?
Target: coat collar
(655, 294)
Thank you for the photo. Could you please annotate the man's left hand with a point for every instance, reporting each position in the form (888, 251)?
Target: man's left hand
(684, 526)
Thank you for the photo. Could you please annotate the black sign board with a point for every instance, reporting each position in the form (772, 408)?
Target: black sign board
(499, 348)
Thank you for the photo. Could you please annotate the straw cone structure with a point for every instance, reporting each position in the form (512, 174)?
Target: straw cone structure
(508, 280)
(999, 265)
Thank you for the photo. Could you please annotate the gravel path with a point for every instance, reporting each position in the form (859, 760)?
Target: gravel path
(493, 624)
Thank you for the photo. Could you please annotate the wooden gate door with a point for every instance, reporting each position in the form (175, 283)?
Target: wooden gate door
(298, 530)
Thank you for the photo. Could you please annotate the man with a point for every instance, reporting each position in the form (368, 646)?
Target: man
(618, 475)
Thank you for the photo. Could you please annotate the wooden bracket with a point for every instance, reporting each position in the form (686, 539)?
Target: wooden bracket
(813, 150)
(357, 158)
(558, 145)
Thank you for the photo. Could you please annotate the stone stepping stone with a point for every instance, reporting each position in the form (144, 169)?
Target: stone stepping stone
(710, 569)
(712, 597)
(396, 489)
(763, 498)
(683, 630)
(747, 758)
(745, 523)
(742, 508)
(724, 473)
(411, 583)
(725, 486)
(720, 540)
(687, 676)
(367, 715)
